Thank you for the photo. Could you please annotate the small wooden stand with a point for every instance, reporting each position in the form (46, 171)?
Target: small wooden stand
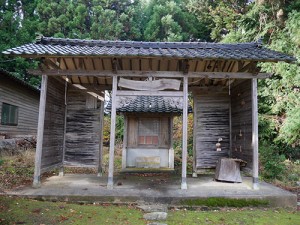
(229, 170)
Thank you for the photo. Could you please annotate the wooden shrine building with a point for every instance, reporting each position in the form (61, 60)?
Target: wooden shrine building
(148, 130)
(75, 73)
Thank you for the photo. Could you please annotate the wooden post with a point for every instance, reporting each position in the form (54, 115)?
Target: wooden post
(124, 149)
(112, 134)
(194, 139)
(255, 134)
(230, 128)
(40, 133)
(61, 169)
(184, 133)
(171, 149)
(100, 169)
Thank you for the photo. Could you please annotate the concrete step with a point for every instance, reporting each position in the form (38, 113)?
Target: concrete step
(156, 216)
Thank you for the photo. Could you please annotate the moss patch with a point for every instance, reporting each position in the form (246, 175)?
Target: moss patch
(225, 202)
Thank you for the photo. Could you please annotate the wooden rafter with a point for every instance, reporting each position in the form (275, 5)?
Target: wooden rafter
(50, 64)
(247, 66)
(66, 65)
(81, 65)
(74, 64)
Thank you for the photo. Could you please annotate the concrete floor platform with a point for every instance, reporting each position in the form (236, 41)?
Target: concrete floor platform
(159, 188)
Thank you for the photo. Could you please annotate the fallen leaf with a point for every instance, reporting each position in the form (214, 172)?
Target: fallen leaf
(37, 211)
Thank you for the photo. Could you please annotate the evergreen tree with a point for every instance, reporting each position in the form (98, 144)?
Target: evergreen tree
(17, 25)
(171, 21)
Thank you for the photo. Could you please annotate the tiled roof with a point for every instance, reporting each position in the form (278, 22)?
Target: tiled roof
(153, 104)
(47, 46)
(17, 80)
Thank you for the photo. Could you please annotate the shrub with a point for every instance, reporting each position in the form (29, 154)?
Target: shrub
(272, 162)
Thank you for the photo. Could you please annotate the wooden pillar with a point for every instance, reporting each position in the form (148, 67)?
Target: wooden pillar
(171, 149)
(124, 149)
(61, 169)
(112, 134)
(194, 139)
(184, 133)
(230, 128)
(40, 133)
(255, 134)
(100, 169)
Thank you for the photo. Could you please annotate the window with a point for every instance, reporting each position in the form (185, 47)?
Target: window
(148, 131)
(9, 115)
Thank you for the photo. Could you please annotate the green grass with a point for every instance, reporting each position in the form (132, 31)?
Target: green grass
(235, 216)
(25, 211)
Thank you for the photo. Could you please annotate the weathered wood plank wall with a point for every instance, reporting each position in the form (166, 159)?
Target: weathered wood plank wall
(83, 130)
(164, 120)
(52, 153)
(211, 123)
(241, 103)
(27, 100)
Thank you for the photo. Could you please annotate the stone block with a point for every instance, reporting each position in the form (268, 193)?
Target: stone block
(148, 162)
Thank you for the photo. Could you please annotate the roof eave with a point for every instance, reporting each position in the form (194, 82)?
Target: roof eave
(292, 60)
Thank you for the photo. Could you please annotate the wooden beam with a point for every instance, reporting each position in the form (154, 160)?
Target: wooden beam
(150, 93)
(40, 133)
(136, 73)
(214, 89)
(255, 134)
(156, 85)
(100, 160)
(184, 133)
(110, 181)
(96, 87)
